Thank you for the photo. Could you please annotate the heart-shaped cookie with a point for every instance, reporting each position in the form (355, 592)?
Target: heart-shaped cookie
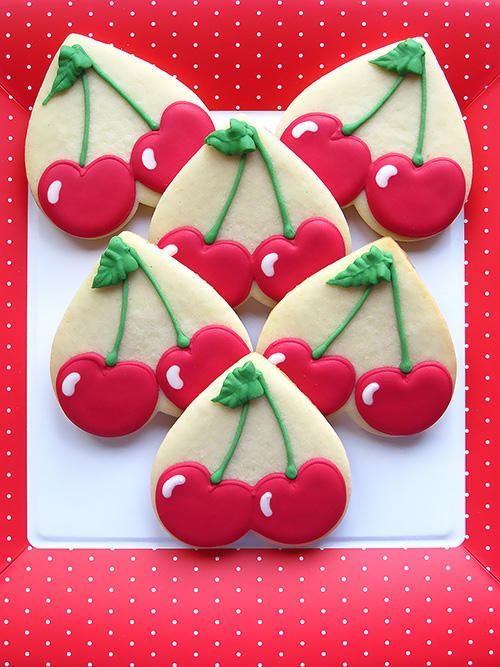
(385, 133)
(251, 452)
(108, 131)
(249, 216)
(143, 334)
(366, 323)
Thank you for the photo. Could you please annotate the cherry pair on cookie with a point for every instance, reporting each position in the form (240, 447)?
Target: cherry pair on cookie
(291, 507)
(393, 400)
(76, 195)
(108, 397)
(277, 263)
(288, 511)
(407, 196)
(388, 399)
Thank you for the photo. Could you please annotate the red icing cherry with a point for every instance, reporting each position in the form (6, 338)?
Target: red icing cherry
(226, 265)
(300, 510)
(340, 161)
(184, 373)
(201, 513)
(90, 201)
(327, 382)
(158, 156)
(415, 201)
(106, 400)
(396, 403)
(280, 264)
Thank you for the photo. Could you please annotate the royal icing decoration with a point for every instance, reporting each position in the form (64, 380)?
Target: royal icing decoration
(69, 383)
(415, 201)
(327, 151)
(307, 126)
(158, 155)
(384, 174)
(173, 375)
(171, 484)
(291, 507)
(400, 403)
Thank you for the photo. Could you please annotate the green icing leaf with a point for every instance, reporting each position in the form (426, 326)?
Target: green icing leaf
(240, 386)
(72, 62)
(238, 139)
(408, 56)
(369, 269)
(116, 263)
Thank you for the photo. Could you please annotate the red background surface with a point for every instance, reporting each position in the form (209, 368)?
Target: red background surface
(313, 607)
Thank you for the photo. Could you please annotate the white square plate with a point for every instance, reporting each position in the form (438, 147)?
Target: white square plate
(94, 492)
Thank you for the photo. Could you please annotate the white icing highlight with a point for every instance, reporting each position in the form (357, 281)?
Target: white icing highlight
(305, 126)
(170, 484)
(148, 159)
(267, 264)
(265, 504)
(170, 249)
(69, 383)
(173, 377)
(277, 358)
(384, 174)
(53, 192)
(368, 391)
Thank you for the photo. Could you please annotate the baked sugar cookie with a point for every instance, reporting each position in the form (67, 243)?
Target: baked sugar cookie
(108, 131)
(385, 133)
(250, 453)
(246, 209)
(143, 334)
(365, 335)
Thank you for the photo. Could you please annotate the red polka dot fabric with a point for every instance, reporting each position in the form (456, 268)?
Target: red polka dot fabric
(315, 607)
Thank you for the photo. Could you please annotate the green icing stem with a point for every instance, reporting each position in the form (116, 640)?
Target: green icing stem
(112, 357)
(147, 119)
(218, 474)
(86, 119)
(211, 235)
(350, 128)
(321, 349)
(417, 158)
(405, 364)
(182, 339)
(291, 469)
(288, 231)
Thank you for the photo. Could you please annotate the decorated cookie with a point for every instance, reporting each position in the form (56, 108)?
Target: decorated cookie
(365, 335)
(108, 131)
(143, 334)
(385, 133)
(246, 209)
(250, 453)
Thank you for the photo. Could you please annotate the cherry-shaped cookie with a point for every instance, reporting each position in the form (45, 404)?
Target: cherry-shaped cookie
(409, 120)
(93, 105)
(246, 208)
(369, 312)
(133, 316)
(250, 453)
